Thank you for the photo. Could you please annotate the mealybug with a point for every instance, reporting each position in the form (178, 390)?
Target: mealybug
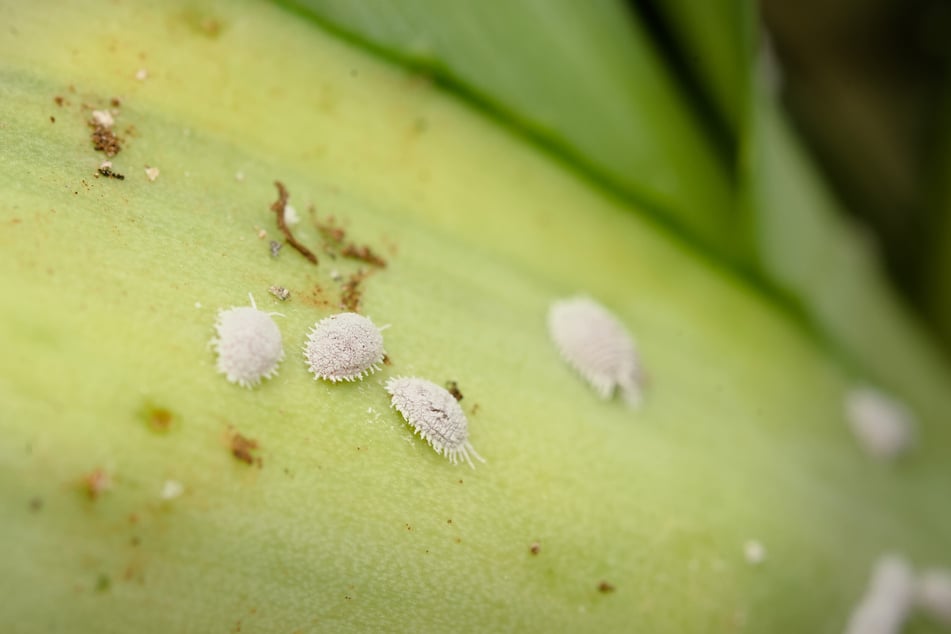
(344, 347)
(595, 344)
(248, 344)
(435, 415)
(887, 600)
(884, 427)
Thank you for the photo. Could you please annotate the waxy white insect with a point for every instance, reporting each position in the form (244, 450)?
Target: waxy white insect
(597, 345)
(888, 598)
(344, 347)
(884, 427)
(933, 594)
(248, 344)
(435, 415)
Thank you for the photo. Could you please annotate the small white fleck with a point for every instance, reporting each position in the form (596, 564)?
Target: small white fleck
(291, 217)
(887, 600)
(151, 173)
(344, 347)
(262, 233)
(171, 489)
(142, 74)
(105, 165)
(197, 304)
(594, 343)
(239, 176)
(103, 118)
(248, 344)
(435, 415)
(335, 275)
(933, 594)
(884, 427)
(279, 292)
(754, 552)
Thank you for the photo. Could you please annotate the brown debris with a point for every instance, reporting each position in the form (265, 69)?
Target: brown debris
(241, 448)
(106, 170)
(330, 232)
(278, 207)
(453, 389)
(103, 138)
(279, 292)
(52, 119)
(352, 294)
(58, 101)
(605, 588)
(535, 548)
(158, 419)
(96, 483)
(364, 254)
(386, 360)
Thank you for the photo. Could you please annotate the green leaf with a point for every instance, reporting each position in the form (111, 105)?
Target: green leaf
(346, 524)
(580, 76)
(717, 39)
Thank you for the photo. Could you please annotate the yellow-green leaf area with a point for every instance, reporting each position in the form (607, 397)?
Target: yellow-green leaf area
(111, 289)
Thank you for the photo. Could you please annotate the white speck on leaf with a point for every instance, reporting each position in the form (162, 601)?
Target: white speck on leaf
(103, 118)
(754, 552)
(887, 600)
(248, 344)
(142, 74)
(344, 347)
(933, 594)
(597, 345)
(239, 176)
(435, 416)
(291, 217)
(151, 173)
(884, 427)
(171, 489)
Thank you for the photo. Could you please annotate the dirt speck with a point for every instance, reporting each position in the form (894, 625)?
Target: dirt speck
(242, 448)
(535, 548)
(103, 138)
(605, 588)
(453, 388)
(279, 292)
(159, 419)
(364, 254)
(59, 101)
(351, 293)
(96, 482)
(106, 170)
(52, 119)
(36, 504)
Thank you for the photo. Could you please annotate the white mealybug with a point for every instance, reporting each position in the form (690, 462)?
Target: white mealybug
(887, 600)
(883, 426)
(595, 344)
(435, 415)
(248, 344)
(344, 347)
(933, 594)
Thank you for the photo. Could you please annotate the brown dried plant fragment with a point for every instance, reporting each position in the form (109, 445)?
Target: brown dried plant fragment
(241, 448)
(278, 208)
(364, 254)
